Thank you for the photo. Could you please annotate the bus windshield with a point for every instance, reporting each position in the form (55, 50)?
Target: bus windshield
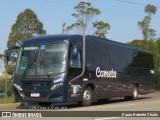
(46, 59)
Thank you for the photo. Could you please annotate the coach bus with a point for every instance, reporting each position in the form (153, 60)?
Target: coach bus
(67, 68)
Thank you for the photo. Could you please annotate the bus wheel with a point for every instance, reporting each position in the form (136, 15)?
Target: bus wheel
(87, 97)
(134, 94)
(44, 103)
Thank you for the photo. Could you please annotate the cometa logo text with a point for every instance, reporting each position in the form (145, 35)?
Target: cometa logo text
(107, 74)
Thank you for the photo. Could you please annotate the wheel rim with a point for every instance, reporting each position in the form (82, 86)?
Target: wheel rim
(135, 92)
(87, 96)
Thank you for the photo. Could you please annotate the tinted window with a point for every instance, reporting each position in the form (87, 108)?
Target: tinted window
(143, 60)
(42, 60)
(121, 56)
(76, 63)
(97, 54)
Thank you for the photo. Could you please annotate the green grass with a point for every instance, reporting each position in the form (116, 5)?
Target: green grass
(7, 100)
(157, 90)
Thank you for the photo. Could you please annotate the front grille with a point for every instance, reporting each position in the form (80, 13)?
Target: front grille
(36, 85)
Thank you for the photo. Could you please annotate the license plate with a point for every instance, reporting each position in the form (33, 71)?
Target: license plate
(35, 94)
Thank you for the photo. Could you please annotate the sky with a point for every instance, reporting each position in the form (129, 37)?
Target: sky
(122, 15)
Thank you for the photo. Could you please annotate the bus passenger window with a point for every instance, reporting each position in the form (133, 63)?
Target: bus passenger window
(76, 63)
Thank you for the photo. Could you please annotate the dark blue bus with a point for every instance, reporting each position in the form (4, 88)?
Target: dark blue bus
(64, 69)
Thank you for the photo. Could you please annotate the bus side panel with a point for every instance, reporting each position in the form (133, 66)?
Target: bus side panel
(97, 60)
(121, 57)
(133, 67)
(143, 72)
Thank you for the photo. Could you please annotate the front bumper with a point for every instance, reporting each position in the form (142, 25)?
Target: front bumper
(57, 95)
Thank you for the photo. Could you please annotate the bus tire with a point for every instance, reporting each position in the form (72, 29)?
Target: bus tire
(87, 97)
(44, 103)
(134, 94)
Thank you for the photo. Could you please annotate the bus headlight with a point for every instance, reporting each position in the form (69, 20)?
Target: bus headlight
(18, 87)
(58, 81)
(56, 86)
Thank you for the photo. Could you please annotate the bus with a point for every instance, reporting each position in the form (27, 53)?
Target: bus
(75, 68)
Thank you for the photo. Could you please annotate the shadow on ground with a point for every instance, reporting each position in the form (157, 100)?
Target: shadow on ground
(58, 106)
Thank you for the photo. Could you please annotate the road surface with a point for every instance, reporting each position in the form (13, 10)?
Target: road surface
(150, 102)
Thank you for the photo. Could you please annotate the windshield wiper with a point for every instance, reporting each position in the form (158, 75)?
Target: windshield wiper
(27, 69)
(31, 63)
(42, 63)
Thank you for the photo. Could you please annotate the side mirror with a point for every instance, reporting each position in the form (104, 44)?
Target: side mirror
(9, 51)
(74, 52)
(8, 54)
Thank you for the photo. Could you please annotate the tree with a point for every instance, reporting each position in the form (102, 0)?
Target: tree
(84, 14)
(27, 26)
(152, 34)
(101, 28)
(1, 59)
(150, 9)
(1, 56)
(144, 25)
(137, 43)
